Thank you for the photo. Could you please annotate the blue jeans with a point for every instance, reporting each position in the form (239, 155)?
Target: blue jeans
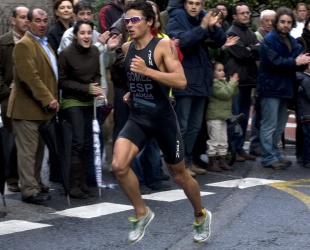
(147, 165)
(274, 118)
(189, 110)
(306, 142)
(242, 104)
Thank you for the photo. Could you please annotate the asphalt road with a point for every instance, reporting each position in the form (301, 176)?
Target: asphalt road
(253, 208)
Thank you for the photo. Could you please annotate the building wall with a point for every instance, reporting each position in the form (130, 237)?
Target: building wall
(7, 6)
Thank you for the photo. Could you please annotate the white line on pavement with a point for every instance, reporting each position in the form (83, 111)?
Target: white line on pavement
(15, 226)
(92, 211)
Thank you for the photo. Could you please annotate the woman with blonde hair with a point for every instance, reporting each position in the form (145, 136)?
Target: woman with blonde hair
(301, 12)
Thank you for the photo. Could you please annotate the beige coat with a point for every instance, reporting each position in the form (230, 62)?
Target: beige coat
(35, 81)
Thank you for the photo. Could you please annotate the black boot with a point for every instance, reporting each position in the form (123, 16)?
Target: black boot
(85, 164)
(75, 178)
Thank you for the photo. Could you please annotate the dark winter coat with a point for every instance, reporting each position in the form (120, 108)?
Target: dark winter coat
(243, 55)
(55, 34)
(303, 98)
(277, 69)
(196, 63)
(6, 64)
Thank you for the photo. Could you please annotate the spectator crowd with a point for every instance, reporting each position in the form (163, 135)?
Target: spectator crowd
(229, 69)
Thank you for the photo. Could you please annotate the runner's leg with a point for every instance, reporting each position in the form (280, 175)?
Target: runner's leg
(124, 152)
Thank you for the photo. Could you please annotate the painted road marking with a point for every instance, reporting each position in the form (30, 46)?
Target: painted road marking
(242, 183)
(92, 211)
(15, 226)
(170, 196)
(287, 187)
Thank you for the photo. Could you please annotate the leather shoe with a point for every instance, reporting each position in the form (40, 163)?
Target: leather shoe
(37, 198)
(247, 156)
(87, 191)
(192, 174)
(278, 165)
(239, 158)
(14, 187)
(197, 170)
(286, 162)
(44, 189)
(76, 193)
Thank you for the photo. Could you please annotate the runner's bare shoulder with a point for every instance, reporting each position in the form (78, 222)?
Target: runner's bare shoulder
(167, 48)
(125, 47)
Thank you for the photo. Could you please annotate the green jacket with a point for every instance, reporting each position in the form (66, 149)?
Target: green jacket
(6, 64)
(220, 103)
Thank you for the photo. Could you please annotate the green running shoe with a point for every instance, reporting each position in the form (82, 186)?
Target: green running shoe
(203, 229)
(138, 226)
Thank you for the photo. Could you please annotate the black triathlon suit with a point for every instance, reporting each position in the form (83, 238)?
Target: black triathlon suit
(151, 114)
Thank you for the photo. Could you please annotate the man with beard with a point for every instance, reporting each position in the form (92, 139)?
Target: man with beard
(280, 56)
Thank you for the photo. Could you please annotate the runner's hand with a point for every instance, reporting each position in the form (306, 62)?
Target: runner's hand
(138, 66)
(126, 98)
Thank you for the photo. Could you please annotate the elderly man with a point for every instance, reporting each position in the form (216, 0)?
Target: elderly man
(265, 22)
(35, 90)
(7, 43)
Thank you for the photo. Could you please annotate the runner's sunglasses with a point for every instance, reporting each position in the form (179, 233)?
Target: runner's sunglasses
(134, 19)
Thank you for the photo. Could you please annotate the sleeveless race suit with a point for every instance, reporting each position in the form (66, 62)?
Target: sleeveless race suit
(151, 114)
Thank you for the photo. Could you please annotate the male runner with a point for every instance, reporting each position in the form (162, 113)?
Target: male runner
(152, 68)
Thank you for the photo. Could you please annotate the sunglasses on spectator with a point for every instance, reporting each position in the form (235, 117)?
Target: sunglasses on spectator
(134, 19)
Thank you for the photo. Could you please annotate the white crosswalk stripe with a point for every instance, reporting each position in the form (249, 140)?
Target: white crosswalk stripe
(15, 226)
(106, 208)
(93, 211)
(242, 183)
(170, 196)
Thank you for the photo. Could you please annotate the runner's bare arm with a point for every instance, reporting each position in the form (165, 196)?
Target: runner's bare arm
(170, 71)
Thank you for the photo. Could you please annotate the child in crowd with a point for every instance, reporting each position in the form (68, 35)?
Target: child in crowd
(218, 112)
(303, 112)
